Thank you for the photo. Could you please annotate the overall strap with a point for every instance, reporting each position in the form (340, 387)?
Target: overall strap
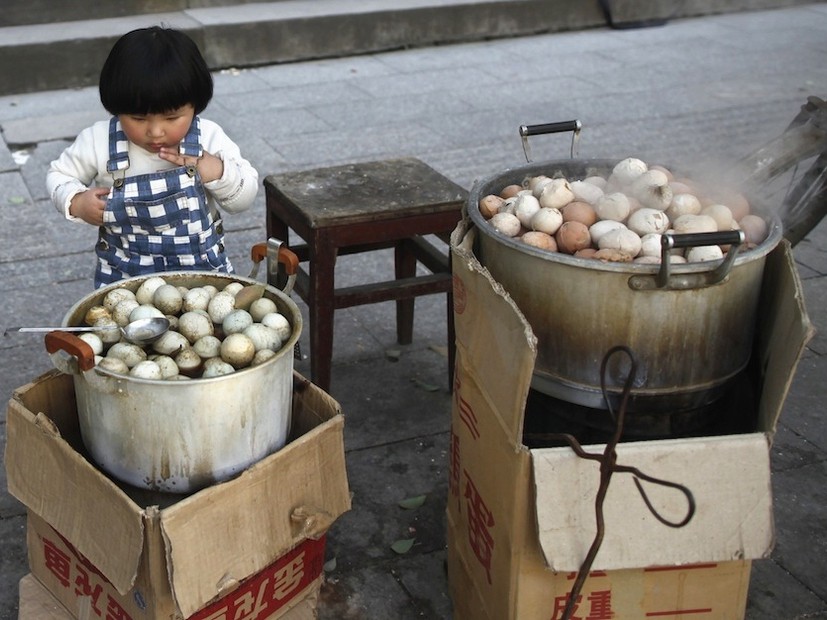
(118, 147)
(191, 144)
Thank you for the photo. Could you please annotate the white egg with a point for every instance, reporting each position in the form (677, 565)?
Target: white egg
(130, 353)
(263, 337)
(114, 364)
(220, 306)
(167, 298)
(123, 309)
(207, 347)
(195, 325)
(262, 356)
(704, 253)
(216, 367)
(197, 298)
(115, 296)
(650, 245)
(233, 287)
(93, 340)
(598, 229)
(614, 206)
(144, 311)
(621, 239)
(146, 370)
(147, 288)
(108, 336)
(647, 220)
(236, 322)
(261, 307)
(238, 350)
(170, 343)
(279, 322)
(166, 364)
(188, 362)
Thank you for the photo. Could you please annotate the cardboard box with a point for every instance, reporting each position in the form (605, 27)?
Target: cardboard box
(37, 603)
(139, 554)
(521, 521)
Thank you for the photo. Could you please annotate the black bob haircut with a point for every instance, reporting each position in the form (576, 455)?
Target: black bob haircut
(152, 71)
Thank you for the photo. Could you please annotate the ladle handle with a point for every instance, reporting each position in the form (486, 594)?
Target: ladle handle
(63, 329)
(74, 346)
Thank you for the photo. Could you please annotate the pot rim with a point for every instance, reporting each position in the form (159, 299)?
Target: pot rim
(134, 282)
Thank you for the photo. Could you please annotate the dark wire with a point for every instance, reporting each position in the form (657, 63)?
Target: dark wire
(608, 465)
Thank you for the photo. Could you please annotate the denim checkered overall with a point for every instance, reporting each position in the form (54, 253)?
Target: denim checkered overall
(159, 221)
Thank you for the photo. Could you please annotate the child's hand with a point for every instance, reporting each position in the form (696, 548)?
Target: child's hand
(209, 166)
(89, 205)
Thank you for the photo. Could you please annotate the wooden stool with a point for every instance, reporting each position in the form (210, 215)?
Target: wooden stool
(359, 208)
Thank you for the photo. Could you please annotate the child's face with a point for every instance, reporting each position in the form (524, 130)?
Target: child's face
(153, 131)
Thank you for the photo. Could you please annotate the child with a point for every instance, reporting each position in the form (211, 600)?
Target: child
(160, 171)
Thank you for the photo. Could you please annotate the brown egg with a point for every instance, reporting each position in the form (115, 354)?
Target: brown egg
(490, 205)
(586, 253)
(680, 187)
(540, 240)
(755, 229)
(663, 169)
(736, 202)
(511, 190)
(739, 205)
(613, 256)
(95, 313)
(577, 211)
(572, 236)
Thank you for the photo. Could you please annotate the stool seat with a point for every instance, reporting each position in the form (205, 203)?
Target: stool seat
(357, 208)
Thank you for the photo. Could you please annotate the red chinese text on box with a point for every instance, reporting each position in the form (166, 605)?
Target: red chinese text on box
(74, 572)
(257, 597)
(271, 589)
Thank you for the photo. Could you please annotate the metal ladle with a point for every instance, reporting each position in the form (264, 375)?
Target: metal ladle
(140, 332)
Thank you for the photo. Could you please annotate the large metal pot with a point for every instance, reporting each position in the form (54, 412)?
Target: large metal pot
(690, 335)
(179, 436)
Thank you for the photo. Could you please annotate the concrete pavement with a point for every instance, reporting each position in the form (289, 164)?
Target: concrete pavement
(693, 92)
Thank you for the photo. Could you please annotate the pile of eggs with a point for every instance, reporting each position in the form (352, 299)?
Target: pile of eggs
(212, 332)
(620, 217)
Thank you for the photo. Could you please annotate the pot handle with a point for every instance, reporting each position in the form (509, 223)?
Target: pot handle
(558, 127)
(276, 254)
(685, 281)
(79, 350)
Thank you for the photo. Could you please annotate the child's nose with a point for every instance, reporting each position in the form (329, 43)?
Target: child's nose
(155, 129)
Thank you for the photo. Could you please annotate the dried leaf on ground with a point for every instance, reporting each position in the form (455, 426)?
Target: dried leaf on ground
(403, 545)
(410, 503)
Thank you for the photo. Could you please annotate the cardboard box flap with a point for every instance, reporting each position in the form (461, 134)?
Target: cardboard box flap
(49, 476)
(784, 329)
(495, 331)
(733, 518)
(309, 479)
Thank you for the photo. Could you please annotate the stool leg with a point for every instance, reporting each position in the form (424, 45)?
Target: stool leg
(321, 304)
(404, 267)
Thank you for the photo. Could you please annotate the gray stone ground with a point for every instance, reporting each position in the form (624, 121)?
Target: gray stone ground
(693, 93)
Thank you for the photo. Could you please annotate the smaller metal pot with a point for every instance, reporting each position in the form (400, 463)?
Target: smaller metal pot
(179, 436)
